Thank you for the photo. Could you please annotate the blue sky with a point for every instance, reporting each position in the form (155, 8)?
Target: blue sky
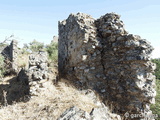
(38, 19)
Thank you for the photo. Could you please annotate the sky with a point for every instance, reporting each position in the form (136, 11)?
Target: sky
(38, 19)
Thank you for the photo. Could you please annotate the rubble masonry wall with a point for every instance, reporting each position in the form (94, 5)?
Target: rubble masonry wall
(101, 55)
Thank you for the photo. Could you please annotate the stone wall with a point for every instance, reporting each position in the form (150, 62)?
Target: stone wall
(38, 71)
(10, 53)
(14, 55)
(101, 55)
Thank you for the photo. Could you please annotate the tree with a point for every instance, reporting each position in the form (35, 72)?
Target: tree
(156, 107)
(157, 71)
(52, 50)
(34, 46)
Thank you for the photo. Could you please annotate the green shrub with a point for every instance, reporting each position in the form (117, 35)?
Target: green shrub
(156, 107)
(52, 50)
(157, 71)
(2, 68)
(36, 46)
(3, 45)
(33, 46)
(24, 51)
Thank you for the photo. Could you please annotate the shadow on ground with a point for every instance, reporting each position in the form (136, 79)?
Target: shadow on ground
(14, 90)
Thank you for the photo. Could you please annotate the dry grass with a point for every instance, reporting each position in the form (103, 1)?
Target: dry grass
(51, 102)
(23, 60)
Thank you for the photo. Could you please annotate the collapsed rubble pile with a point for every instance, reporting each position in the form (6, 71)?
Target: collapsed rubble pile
(101, 55)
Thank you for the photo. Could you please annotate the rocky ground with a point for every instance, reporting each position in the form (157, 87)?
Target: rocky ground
(51, 102)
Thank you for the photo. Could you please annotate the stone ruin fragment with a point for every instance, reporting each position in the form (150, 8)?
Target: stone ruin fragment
(101, 55)
(10, 53)
(37, 72)
(99, 113)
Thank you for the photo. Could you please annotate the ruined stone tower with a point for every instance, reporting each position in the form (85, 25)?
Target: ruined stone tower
(101, 55)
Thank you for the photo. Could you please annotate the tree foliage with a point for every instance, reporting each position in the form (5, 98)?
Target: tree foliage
(33, 46)
(52, 50)
(157, 71)
(156, 107)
